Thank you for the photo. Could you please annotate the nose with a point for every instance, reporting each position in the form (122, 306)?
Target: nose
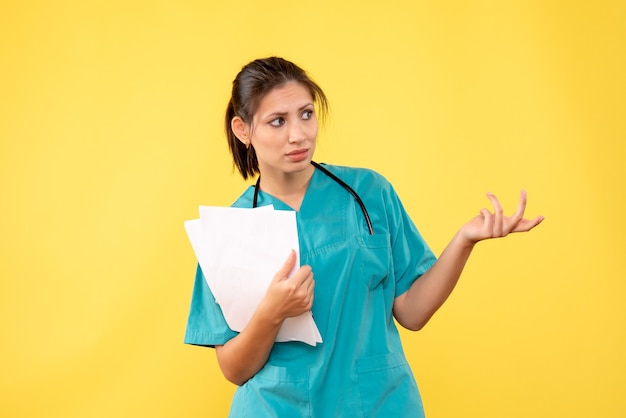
(296, 133)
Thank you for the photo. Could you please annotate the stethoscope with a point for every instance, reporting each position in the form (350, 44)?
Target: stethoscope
(335, 178)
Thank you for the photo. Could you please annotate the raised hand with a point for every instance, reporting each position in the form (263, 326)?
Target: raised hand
(494, 225)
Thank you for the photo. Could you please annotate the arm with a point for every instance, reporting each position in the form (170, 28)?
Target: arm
(244, 355)
(414, 308)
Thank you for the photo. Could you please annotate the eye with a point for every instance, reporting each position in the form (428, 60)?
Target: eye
(277, 122)
(307, 114)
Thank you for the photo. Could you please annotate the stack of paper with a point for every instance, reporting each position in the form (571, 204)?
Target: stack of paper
(240, 251)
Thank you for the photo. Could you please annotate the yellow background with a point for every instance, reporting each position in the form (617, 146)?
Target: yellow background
(111, 136)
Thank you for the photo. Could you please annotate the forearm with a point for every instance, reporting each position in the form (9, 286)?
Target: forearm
(244, 355)
(414, 308)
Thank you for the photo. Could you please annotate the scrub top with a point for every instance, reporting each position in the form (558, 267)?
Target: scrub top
(360, 369)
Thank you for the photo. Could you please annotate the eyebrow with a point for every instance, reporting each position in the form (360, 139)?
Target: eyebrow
(273, 114)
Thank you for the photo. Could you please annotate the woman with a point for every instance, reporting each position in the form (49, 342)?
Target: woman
(370, 263)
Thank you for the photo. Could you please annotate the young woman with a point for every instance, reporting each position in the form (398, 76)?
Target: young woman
(370, 264)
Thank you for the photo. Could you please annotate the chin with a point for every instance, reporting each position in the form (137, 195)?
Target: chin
(297, 167)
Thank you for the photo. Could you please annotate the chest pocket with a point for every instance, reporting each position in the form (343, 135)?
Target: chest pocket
(375, 259)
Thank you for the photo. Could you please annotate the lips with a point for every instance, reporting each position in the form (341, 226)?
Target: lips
(298, 155)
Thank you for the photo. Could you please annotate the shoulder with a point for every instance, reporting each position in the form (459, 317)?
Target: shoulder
(358, 177)
(372, 187)
(245, 200)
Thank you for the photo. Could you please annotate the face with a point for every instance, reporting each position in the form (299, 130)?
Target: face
(284, 130)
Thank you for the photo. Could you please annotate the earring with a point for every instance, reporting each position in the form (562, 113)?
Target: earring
(249, 155)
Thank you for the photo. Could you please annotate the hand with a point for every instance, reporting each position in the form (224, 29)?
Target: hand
(494, 225)
(289, 296)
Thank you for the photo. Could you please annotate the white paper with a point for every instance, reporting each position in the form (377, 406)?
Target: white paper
(240, 251)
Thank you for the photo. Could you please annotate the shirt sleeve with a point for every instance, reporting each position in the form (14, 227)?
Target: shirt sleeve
(411, 255)
(206, 325)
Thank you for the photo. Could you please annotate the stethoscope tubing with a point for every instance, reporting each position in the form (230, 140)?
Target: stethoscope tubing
(336, 179)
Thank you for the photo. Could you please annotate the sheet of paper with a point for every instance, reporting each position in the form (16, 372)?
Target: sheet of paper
(239, 251)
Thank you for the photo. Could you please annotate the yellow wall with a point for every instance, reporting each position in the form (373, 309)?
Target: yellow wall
(111, 136)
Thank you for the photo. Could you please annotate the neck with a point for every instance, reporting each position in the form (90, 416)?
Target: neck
(288, 187)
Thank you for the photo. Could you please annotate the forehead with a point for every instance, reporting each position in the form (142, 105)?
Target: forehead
(284, 98)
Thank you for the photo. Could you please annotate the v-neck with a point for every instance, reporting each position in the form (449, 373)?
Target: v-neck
(284, 206)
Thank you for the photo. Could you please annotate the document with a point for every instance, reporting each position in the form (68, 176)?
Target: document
(239, 251)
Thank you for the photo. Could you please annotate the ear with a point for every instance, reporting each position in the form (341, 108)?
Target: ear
(241, 130)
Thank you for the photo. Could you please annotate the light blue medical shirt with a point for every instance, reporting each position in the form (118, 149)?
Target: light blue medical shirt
(360, 369)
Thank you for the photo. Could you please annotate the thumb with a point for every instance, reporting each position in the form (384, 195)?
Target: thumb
(287, 267)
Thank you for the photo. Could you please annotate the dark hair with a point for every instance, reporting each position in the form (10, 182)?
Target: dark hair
(253, 82)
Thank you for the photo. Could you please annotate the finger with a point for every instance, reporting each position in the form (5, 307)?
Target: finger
(310, 303)
(310, 285)
(498, 215)
(310, 294)
(487, 222)
(521, 207)
(526, 225)
(303, 278)
(286, 268)
(303, 293)
(517, 220)
(300, 277)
